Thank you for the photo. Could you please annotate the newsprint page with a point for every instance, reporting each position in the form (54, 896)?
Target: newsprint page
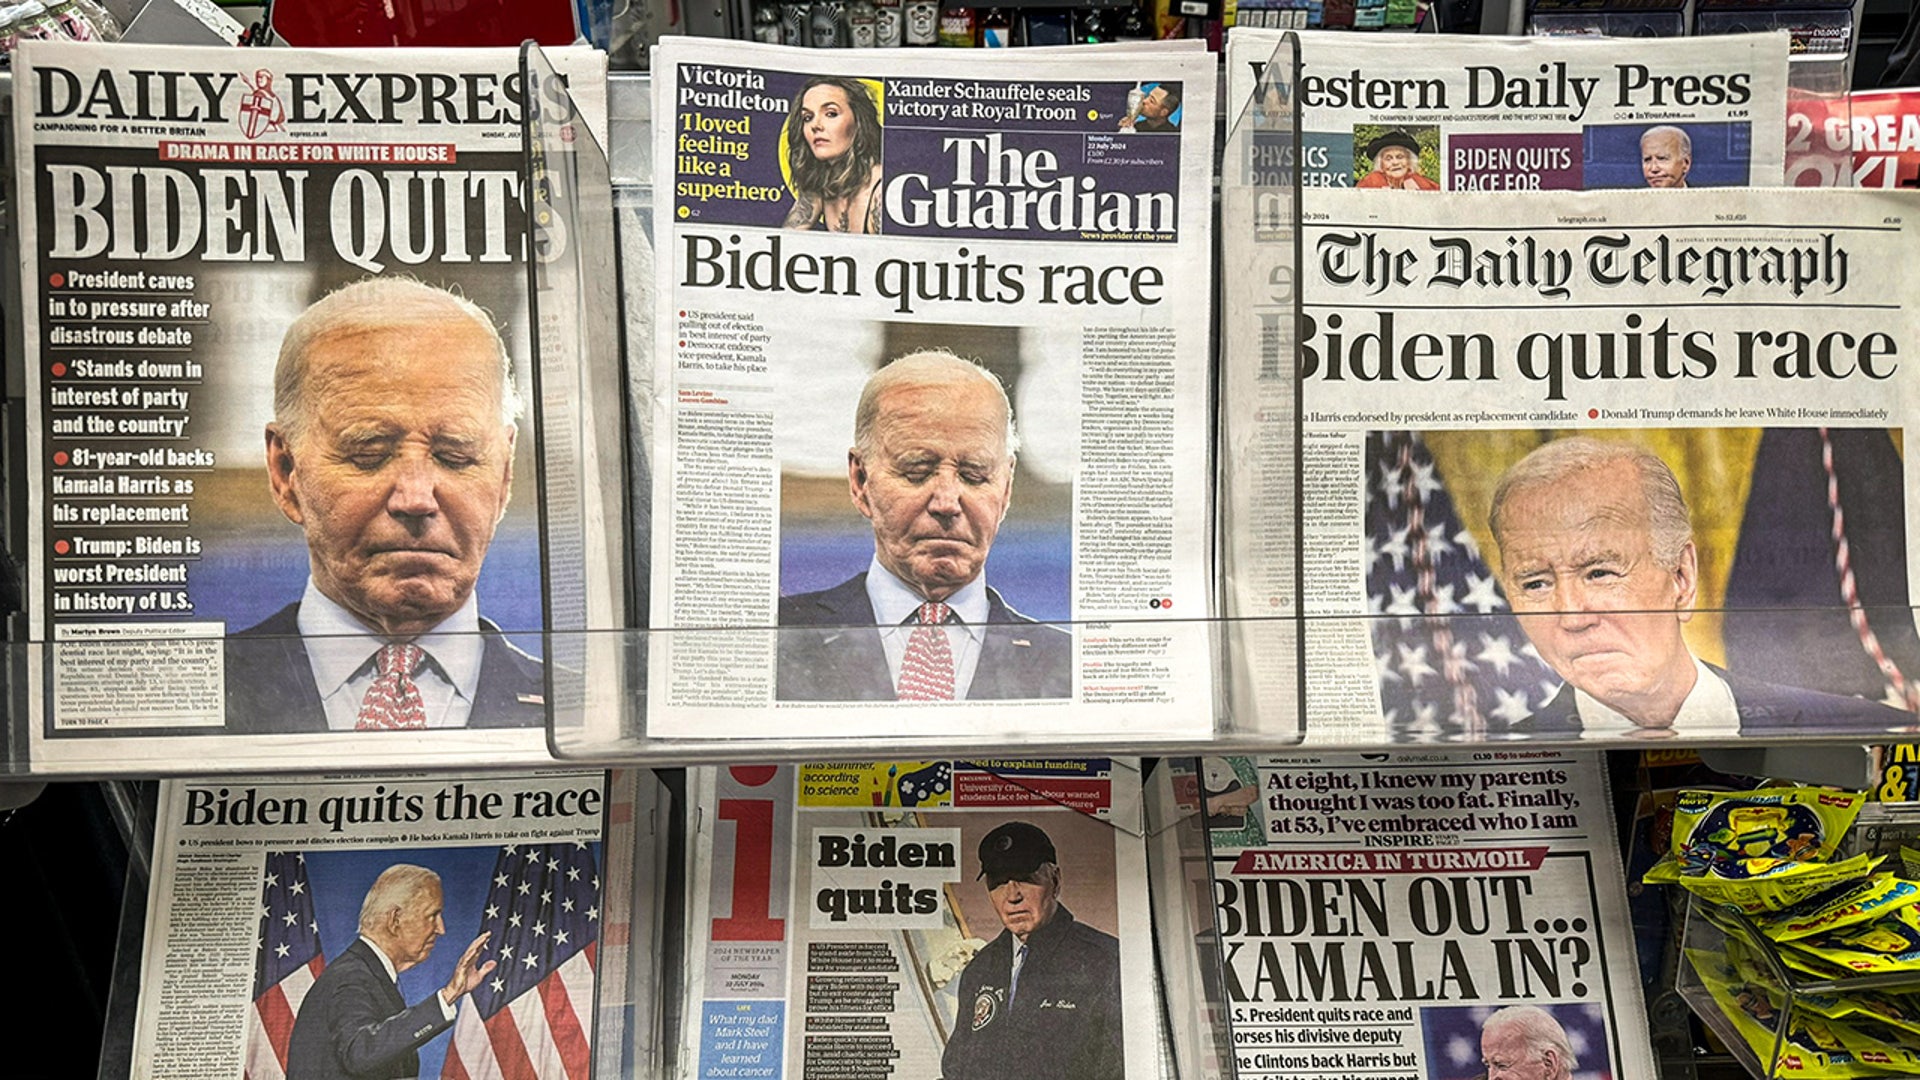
(1029, 233)
(188, 222)
(1598, 465)
(1492, 114)
(1423, 916)
(964, 920)
(433, 925)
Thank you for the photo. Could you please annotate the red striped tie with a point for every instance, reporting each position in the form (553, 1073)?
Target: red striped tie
(926, 671)
(393, 701)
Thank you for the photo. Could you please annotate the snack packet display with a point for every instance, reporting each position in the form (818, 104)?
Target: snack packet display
(1812, 1048)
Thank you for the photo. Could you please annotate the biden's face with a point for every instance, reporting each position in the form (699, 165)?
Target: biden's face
(937, 482)
(1663, 163)
(1578, 566)
(400, 472)
(1026, 906)
(1507, 1056)
(416, 927)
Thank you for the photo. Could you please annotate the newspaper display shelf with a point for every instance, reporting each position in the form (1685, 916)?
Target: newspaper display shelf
(592, 298)
(1262, 651)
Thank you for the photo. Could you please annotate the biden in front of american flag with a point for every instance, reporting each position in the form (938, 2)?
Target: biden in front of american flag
(354, 1025)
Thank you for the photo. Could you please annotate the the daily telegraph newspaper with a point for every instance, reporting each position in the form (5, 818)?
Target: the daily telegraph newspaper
(317, 925)
(220, 563)
(1494, 114)
(1606, 465)
(828, 215)
(962, 920)
(1423, 916)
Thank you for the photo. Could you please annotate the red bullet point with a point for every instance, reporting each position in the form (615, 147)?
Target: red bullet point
(60, 457)
(61, 547)
(57, 280)
(683, 344)
(1593, 414)
(59, 370)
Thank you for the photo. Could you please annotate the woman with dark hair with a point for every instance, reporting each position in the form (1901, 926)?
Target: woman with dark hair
(833, 157)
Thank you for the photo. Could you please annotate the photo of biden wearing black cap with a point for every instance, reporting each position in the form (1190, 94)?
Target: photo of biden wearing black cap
(1043, 997)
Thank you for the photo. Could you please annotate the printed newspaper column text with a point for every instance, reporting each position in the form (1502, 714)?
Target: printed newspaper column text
(851, 991)
(121, 469)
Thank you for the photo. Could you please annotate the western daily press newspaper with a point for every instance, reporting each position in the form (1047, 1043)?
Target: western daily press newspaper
(1742, 346)
(1493, 114)
(177, 215)
(862, 919)
(258, 956)
(1046, 217)
(1408, 915)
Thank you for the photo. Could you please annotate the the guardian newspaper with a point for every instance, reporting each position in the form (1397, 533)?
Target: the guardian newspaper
(1031, 233)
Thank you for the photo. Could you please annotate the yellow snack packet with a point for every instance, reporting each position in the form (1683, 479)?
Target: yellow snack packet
(1784, 824)
(1879, 1045)
(1842, 907)
(1775, 886)
(1889, 943)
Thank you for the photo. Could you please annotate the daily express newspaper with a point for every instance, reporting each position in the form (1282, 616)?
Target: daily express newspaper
(926, 918)
(176, 216)
(1046, 218)
(1600, 465)
(281, 910)
(1423, 916)
(1507, 114)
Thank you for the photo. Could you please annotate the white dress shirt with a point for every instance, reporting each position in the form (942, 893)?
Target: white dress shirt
(894, 604)
(1709, 711)
(342, 652)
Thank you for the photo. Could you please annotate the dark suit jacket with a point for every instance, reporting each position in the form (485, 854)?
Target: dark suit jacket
(842, 658)
(270, 687)
(1765, 709)
(354, 1025)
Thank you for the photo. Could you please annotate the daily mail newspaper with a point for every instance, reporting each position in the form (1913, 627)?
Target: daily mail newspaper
(1423, 916)
(220, 564)
(827, 215)
(1505, 114)
(419, 924)
(1604, 466)
(945, 919)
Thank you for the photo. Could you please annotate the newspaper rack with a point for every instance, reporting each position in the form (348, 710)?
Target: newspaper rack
(591, 234)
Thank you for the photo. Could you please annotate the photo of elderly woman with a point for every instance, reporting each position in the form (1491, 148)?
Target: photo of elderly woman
(833, 157)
